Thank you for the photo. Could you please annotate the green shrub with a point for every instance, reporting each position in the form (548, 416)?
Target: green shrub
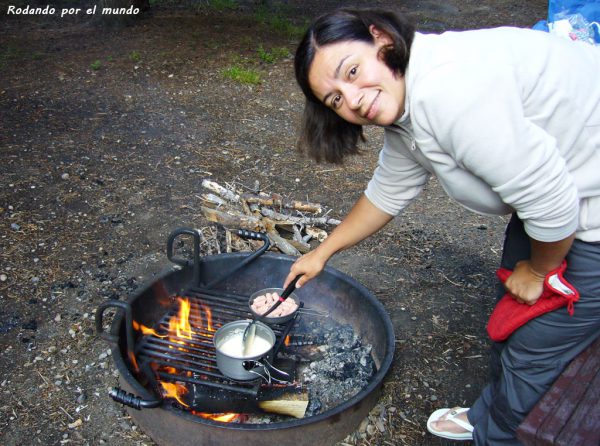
(242, 75)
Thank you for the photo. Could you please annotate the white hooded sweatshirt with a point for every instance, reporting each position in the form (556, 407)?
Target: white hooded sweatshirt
(508, 120)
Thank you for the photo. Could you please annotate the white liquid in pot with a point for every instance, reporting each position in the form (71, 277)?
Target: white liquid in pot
(233, 345)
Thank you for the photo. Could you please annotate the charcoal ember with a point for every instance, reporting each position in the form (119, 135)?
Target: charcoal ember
(314, 406)
(343, 340)
(345, 367)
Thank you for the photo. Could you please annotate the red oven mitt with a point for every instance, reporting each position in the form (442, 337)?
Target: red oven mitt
(508, 315)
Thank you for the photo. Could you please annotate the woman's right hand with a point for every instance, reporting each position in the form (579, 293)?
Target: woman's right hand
(310, 264)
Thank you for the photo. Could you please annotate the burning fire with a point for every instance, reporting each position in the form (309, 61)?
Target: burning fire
(136, 367)
(187, 323)
(222, 417)
(180, 325)
(175, 391)
(146, 330)
(209, 326)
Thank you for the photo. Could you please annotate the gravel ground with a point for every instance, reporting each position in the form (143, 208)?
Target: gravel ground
(106, 135)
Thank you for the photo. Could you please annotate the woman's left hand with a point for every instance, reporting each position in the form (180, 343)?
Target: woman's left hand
(525, 284)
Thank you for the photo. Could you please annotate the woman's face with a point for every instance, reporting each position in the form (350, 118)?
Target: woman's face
(353, 81)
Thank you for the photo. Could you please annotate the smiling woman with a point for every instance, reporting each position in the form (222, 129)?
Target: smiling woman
(505, 129)
(325, 134)
(351, 79)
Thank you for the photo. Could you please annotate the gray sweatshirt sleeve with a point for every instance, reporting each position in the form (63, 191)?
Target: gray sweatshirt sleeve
(398, 178)
(488, 134)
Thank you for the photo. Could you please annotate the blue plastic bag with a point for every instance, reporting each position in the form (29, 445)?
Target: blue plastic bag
(576, 19)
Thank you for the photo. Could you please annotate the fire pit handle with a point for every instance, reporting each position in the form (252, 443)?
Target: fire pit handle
(244, 233)
(129, 399)
(196, 261)
(179, 260)
(112, 339)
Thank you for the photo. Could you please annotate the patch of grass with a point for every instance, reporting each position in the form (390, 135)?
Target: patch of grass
(12, 54)
(284, 26)
(241, 60)
(247, 41)
(280, 52)
(222, 5)
(96, 65)
(265, 56)
(242, 75)
(135, 56)
(279, 24)
(273, 55)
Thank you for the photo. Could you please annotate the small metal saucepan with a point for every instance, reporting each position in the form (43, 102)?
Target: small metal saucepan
(248, 337)
(236, 364)
(273, 319)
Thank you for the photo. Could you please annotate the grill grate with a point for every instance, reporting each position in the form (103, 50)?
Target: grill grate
(194, 360)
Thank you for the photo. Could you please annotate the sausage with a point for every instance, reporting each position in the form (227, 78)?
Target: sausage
(264, 302)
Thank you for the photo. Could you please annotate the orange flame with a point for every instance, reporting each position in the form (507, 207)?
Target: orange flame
(286, 341)
(226, 417)
(146, 330)
(209, 326)
(187, 322)
(180, 325)
(134, 361)
(175, 391)
(222, 417)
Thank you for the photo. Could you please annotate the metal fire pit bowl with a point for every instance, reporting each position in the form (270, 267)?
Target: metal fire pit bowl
(346, 300)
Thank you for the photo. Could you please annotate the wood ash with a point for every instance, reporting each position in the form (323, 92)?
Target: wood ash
(336, 369)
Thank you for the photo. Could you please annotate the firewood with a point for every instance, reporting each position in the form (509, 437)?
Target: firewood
(302, 247)
(245, 207)
(266, 200)
(292, 404)
(228, 241)
(212, 201)
(220, 190)
(285, 246)
(317, 233)
(285, 400)
(284, 219)
(259, 211)
(303, 207)
(233, 221)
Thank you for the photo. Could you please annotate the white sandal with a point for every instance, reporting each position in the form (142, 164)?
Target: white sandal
(452, 416)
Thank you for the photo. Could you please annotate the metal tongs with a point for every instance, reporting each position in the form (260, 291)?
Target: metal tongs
(250, 331)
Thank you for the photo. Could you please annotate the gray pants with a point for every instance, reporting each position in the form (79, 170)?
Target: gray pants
(525, 365)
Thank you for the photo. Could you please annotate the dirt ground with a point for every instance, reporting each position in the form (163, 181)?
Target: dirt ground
(105, 137)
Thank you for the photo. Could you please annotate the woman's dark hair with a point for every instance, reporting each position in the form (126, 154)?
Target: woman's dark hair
(323, 134)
